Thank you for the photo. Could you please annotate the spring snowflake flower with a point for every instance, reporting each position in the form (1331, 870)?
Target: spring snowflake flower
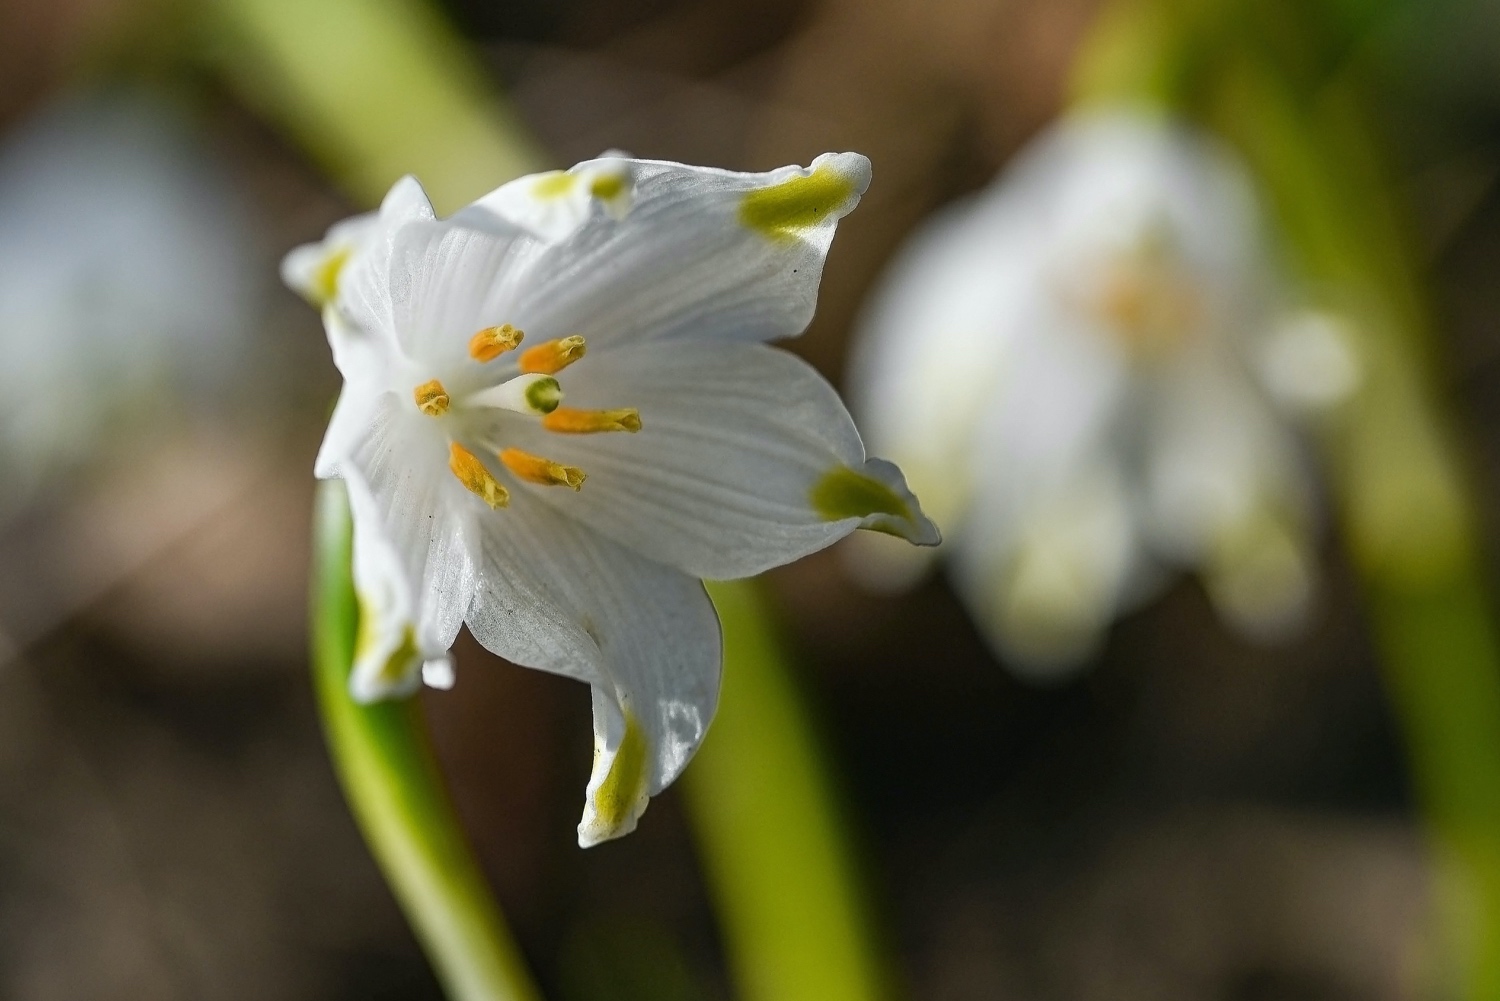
(1087, 371)
(558, 418)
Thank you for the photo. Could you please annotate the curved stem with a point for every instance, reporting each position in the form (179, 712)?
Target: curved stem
(374, 91)
(777, 858)
(393, 785)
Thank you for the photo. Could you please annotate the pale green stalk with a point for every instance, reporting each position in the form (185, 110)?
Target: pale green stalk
(393, 785)
(778, 863)
(374, 89)
(1409, 513)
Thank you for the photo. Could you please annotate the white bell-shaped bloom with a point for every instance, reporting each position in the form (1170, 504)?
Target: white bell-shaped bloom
(553, 433)
(1086, 372)
(125, 280)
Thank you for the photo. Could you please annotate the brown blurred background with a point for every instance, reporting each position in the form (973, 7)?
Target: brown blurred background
(1194, 818)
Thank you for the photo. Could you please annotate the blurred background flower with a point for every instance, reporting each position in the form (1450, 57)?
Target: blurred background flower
(1196, 816)
(1071, 364)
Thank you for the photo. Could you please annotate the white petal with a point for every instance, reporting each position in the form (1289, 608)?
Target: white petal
(369, 270)
(353, 415)
(401, 491)
(301, 271)
(557, 596)
(739, 463)
(702, 253)
(313, 269)
(1226, 491)
(387, 654)
(1047, 551)
(437, 672)
(1046, 579)
(553, 205)
(1101, 182)
(1261, 576)
(362, 355)
(441, 285)
(1215, 452)
(1309, 362)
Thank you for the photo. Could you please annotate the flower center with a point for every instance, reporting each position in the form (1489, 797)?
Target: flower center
(534, 392)
(1144, 294)
(1148, 303)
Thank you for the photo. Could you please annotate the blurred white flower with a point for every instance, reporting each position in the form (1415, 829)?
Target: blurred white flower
(1084, 371)
(125, 280)
(565, 505)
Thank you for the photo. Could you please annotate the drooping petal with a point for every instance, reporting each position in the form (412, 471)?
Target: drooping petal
(1262, 574)
(1048, 550)
(1225, 489)
(555, 595)
(702, 253)
(1045, 583)
(745, 459)
(1214, 452)
(402, 494)
(313, 269)
(387, 651)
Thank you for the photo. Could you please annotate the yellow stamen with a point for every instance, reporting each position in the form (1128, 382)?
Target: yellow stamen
(567, 420)
(472, 474)
(552, 356)
(492, 342)
(535, 469)
(432, 399)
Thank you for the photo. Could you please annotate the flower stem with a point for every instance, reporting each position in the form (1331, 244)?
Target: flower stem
(391, 780)
(373, 91)
(778, 862)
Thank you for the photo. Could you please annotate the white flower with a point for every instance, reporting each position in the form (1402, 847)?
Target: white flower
(554, 204)
(125, 282)
(1067, 366)
(313, 269)
(566, 504)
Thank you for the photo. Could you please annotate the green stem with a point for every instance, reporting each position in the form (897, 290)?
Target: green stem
(374, 89)
(393, 785)
(777, 858)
